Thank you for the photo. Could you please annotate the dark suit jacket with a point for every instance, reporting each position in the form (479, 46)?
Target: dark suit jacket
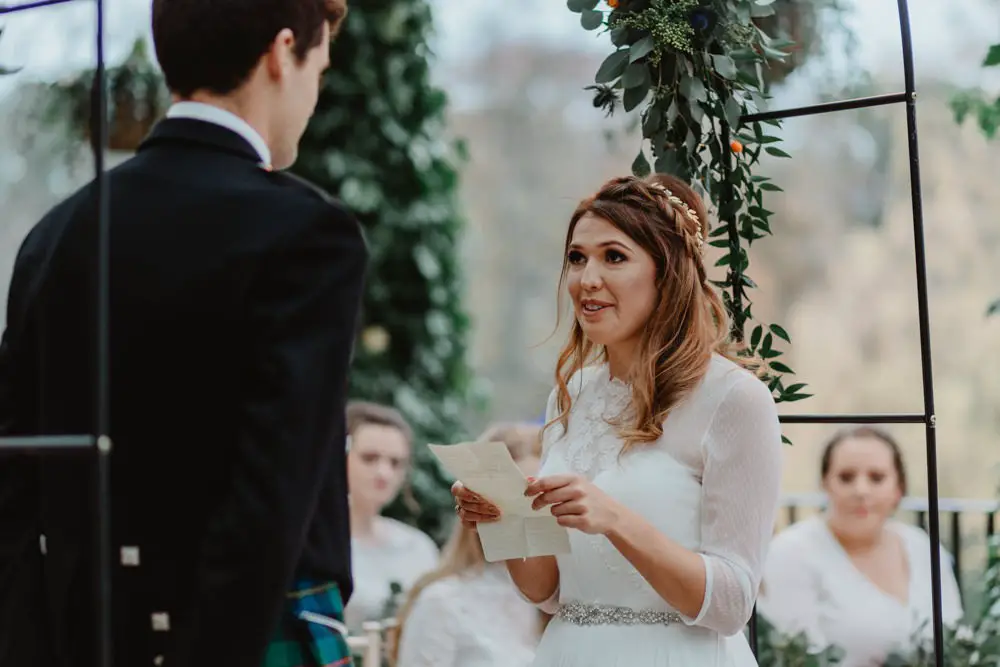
(234, 301)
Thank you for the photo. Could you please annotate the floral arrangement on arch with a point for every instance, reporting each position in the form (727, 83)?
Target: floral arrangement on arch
(695, 71)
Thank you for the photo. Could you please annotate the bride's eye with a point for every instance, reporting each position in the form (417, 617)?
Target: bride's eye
(615, 256)
(575, 257)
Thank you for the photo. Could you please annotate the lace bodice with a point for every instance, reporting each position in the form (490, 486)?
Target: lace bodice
(710, 483)
(594, 445)
(470, 620)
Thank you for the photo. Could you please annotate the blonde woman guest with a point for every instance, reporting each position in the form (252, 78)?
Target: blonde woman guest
(855, 577)
(663, 454)
(384, 552)
(467, 613)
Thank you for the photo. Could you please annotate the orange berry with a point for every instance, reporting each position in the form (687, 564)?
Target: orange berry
(613, 4)
(736, 146)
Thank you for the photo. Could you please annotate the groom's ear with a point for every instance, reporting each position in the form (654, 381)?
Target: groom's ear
(280, 57)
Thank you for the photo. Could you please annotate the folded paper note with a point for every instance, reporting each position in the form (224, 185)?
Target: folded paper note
(488, 469)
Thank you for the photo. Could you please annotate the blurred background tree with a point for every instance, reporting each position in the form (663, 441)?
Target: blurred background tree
(378, 142)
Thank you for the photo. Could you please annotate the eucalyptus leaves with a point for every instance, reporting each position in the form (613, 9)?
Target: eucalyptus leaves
(695, 70)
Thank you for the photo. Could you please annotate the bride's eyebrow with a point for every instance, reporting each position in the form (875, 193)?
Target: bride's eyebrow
(603, 244)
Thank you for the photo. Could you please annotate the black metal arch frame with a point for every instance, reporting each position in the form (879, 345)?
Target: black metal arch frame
(98, 443)
(928, 417)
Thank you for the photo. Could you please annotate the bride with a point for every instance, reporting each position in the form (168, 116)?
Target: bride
(663, 457)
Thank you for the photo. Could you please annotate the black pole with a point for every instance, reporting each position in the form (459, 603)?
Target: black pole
(933, 519)
(903, 418)
(103, 491)
(827, 107)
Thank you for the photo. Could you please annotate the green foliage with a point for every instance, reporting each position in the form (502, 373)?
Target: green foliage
(695, 69)
(377, 143)
(975, 103)
(961, 649)
(137, 98)
(775, 649)
(976, 643)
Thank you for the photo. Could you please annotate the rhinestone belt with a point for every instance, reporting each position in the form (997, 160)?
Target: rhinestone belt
(578, 613)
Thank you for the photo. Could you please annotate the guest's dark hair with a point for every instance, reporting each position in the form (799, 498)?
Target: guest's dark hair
(214, 45)
(866, 432)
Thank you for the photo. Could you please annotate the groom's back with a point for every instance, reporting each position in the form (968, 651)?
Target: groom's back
(192, 231)
(234, 298)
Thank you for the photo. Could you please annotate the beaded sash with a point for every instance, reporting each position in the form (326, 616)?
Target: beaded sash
(579, 613)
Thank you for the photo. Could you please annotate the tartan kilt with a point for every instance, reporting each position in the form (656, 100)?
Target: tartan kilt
(303, 643)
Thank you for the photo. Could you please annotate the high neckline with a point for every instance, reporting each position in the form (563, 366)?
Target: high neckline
(612, 380)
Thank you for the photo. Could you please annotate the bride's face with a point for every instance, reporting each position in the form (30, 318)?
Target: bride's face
(612, 282)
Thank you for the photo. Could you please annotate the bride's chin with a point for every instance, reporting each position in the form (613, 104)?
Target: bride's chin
(594, 334)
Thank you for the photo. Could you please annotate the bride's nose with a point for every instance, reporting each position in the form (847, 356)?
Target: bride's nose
(591, 279)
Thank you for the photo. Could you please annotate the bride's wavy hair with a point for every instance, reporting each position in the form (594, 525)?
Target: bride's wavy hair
(689, 321)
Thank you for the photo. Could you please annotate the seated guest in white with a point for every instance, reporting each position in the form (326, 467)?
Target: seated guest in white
(467, 613)
(855, 577)
(384, 551)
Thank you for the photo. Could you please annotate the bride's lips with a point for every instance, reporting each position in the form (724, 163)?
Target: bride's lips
(594, 308)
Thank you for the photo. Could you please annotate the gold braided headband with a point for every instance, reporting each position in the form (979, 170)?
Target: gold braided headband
(679, 203)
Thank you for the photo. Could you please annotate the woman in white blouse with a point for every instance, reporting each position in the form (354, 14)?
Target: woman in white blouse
(856, 578)
(467, 613)
(386, 555)
(662, 451)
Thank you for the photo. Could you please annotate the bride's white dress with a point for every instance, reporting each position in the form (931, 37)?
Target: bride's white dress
(710, 483)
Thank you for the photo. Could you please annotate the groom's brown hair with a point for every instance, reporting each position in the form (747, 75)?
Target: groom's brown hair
(214, 45)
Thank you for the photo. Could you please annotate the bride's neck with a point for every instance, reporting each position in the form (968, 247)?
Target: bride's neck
(621, 360)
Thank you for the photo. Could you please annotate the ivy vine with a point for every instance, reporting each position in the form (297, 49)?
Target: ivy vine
(695, 69)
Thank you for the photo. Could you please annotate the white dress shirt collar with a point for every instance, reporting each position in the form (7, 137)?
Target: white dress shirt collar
(226, 119)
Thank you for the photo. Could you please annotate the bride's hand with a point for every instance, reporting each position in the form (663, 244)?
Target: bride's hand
(576, 503)
(471, 507)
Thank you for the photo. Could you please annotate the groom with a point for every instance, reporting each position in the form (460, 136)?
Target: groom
(235, 291)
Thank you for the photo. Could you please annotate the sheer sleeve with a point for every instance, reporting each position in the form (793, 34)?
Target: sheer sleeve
(740, 491)
(430, 634)
(791, 596)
